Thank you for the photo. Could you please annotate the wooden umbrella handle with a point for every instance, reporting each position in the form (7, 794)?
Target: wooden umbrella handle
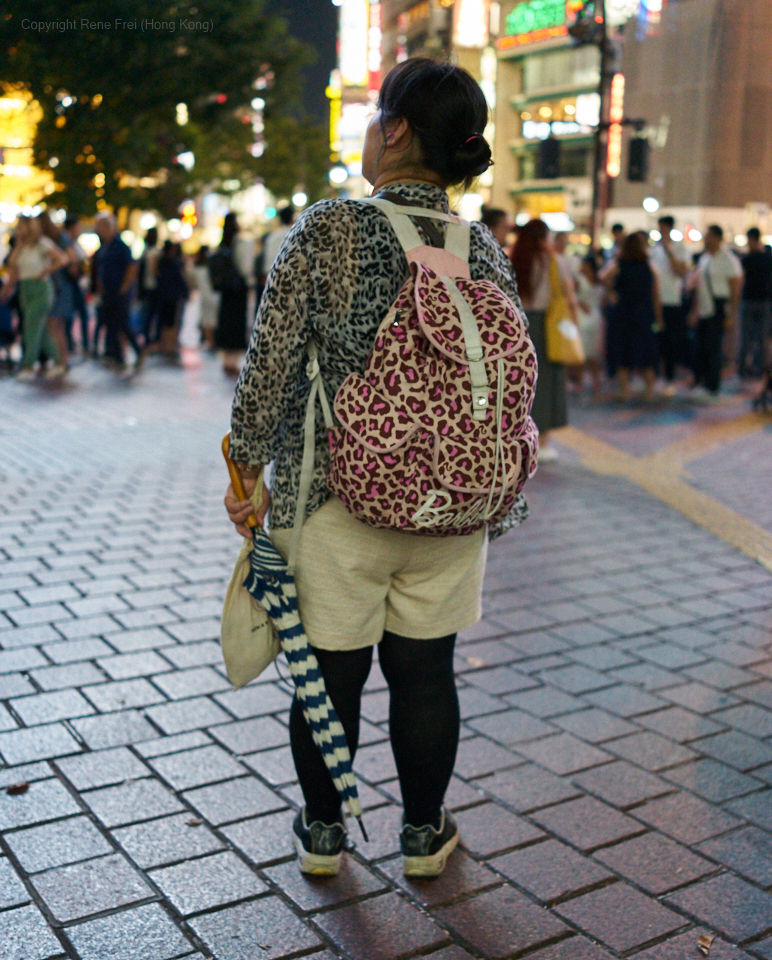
(236, 478)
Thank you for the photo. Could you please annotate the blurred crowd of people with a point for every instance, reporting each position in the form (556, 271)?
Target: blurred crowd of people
(680, 321)
(57, 303)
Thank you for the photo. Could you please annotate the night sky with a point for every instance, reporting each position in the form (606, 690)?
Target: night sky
(314, 22)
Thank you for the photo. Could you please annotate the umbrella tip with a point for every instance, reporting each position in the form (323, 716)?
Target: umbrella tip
(362, 828)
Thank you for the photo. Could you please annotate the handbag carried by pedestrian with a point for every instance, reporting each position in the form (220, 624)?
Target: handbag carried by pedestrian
(435, 437)
(564, 341)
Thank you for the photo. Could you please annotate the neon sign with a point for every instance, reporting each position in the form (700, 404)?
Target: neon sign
(616, 115)
(537, 20)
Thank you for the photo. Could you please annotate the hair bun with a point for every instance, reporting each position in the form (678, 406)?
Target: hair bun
(472, 157)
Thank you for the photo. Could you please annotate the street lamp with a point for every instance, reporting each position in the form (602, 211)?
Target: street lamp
(651, 205)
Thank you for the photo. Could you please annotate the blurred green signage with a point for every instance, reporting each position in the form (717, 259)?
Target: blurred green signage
(535, 15)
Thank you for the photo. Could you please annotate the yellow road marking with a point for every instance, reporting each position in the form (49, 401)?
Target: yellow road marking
(662, 478)
(711, 436)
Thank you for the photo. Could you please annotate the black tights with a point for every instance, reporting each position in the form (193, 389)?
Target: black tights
(423, 722)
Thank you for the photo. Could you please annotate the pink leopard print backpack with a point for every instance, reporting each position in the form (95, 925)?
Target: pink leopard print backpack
(436, 436)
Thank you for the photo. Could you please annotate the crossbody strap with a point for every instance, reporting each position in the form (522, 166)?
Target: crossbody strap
(314, 374)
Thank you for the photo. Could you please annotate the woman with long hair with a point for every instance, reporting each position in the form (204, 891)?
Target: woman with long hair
(634, 324)
(334, 281)
(227, 279)
(532, 258)
(33, 261)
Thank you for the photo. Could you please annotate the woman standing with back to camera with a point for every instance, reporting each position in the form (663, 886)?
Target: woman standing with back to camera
(334, 280)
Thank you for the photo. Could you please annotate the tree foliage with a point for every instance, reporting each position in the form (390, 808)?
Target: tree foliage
(109, 94)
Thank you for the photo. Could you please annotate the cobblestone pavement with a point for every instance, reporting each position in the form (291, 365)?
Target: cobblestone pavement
(613, 780)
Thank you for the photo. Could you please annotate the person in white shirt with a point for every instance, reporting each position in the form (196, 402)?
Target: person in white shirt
(670, 259)
(719, 284)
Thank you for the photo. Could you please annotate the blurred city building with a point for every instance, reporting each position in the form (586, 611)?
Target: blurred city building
(22, 185)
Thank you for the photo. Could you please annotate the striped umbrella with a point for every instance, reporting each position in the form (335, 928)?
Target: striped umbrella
(271, 584)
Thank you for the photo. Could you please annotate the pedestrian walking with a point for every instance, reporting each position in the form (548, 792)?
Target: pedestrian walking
(171, 292)
(637, 316)
(227, 280)
(718, 280)
(62, 311)
(755, 312)
(532, 260)
(74, 276)
(147, 281)
(273, 241)
(671, 260)
(208, 297)
(33, 260)
(334, 281)
(117, 274)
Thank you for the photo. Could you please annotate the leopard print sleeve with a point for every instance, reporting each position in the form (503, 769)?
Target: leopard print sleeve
(274, 370)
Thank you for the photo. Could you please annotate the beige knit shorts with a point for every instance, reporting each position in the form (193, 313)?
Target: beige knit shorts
(355, 581)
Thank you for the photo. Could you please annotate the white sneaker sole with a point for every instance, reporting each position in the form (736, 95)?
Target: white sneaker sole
(431, 866)
(314, 863)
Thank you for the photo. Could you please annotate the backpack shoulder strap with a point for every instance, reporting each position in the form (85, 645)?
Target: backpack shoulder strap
(457, 237)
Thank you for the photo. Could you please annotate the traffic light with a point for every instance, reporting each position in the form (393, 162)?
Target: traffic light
(548, 159)
(638, 160)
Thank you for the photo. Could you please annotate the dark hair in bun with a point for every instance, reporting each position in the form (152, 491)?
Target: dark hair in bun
(447, 110)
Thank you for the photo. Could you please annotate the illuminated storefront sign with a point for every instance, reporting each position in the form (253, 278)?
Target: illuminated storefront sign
(616, 115)
(374, 37)
(541, 130)
(537, 20)
(353, 43)
(470, 23)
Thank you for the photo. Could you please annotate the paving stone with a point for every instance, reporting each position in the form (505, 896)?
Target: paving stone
(253, 701)
(685, 945)
(727, 904)
(22, 659)
(264, 839)
(123, 695)
(81, 627)
(478, 756)
(75, 651)
(489, 829)
(114, 729)
(12, 890)
(82, 889)
(563, 753)
(212, 881)
(233, 800)
(49, 707)
(27, 771)
(551, 871)
(187, 715)
(700, 698)
(757, 808)
(749, 718)
(500, 680)
(193, 768)
(620, 916)
(461, 877)
(101, 768)
(166, 840)
(375, 763)
(45, 800)
(527, 787)
(587, 823)
(383, 827)
(679, 724)
(25, 935)
(56, 844)
(712, 780)
(205, 653)
(624, 700)
(651, 751)
(655, 863)
(501, 922)
(275, 766)
(512, 727)
(191, 683)
(717, 674)
(384, 928)
(575, 948)
(686, 818)
(736, 749)
(149, 638)
(148, 929)
(127, 666)
(131, 802)
(188, 632)
(71, 675)
(748, 851)
(14, 685)
(314, 893)
(264, 928)
(27, 636)
(577, 679)
(181, 741)
(595, 725)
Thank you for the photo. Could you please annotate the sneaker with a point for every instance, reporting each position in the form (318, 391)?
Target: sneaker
(25, 375)
(57, 372)
(425, 850)
(319, 845)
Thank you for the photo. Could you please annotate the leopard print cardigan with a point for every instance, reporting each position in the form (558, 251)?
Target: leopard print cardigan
(338, 272)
